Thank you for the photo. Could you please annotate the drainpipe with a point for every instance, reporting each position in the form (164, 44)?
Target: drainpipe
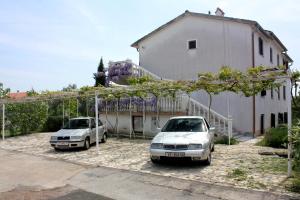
(253, 98)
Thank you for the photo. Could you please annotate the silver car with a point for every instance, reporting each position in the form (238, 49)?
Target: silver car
(185, 137)
(78, 132)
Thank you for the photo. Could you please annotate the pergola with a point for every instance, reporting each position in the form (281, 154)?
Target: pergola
(130, 90)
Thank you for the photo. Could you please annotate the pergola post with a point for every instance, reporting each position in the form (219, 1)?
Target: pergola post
(87, 106)
(289, 110)
(63, 113)
(106, 115)
(144, 118)
(130, 115)
(97, 119)
(229, 129)
(117, 119)
(3, 122)
(77, 106)
(69, 110)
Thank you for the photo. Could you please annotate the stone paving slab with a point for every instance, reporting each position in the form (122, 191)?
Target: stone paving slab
(133, 155)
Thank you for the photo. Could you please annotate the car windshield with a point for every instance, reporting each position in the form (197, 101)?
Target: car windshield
(184, 125)
(77, 124)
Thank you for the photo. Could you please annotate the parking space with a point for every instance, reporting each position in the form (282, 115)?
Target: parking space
(133, 155)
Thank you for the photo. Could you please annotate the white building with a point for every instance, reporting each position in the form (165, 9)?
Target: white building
(195, 42)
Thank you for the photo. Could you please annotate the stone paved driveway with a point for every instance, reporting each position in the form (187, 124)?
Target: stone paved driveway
(251, 169)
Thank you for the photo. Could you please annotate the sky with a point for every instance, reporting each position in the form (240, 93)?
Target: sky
(48, 44)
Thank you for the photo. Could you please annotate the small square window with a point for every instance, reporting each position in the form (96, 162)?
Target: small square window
(192, 44)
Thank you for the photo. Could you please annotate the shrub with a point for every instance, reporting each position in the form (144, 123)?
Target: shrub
(24, 118)
(276, 137)
(224, 140)
(53, 123)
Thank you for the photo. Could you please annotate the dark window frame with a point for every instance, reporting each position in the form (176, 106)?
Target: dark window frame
(272, 93)
(284, 92)
(263, 93)
(192, 44)
(278, 92)
(271, 55)
(260, 46)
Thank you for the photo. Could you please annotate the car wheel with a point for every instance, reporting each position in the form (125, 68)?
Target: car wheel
(56, 149)
(86, 143)
(104, 138)
(155, 161)
(208, 160)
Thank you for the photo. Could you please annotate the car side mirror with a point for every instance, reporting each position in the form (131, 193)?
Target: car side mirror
(212, 129)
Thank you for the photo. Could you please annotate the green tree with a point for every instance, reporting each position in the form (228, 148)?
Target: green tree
(3, 91)
(70, 88)
(100, 77)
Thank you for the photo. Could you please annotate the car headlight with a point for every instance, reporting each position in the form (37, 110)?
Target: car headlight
(53, 138)
(156, 146)
(75, 137)
(195, 146)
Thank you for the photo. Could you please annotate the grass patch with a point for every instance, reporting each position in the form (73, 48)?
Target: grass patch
(238, 174)
(224, 140)
(293, 183)
(273, 165)
(255, 184)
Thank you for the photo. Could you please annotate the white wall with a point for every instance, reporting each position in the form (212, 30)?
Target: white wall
(124, 122)
(218, 44)
(266, 105)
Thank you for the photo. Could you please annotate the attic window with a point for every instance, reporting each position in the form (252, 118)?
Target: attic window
(192, 44)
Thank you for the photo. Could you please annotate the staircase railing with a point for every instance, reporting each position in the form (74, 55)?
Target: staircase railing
(221, 123)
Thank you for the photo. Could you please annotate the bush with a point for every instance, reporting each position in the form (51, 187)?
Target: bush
(25, 118)
(53, 123)
(224, 140)
(276, 137)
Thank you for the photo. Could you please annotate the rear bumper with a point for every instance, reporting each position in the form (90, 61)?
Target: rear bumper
(200, 154)
(66, 144)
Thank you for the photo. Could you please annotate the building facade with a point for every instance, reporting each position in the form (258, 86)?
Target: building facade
(194, 42)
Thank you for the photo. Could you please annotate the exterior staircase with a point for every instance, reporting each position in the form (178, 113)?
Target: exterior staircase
(181, 104)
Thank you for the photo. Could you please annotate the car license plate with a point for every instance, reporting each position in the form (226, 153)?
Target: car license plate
(174, 154)
(63, 144)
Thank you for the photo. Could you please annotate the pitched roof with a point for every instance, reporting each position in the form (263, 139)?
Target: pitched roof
(268, 34)
(17, 95)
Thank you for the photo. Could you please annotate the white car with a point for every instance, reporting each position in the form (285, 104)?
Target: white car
(78, 132)
(185, 137)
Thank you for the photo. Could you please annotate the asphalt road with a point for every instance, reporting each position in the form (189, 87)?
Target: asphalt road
(24, 176)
